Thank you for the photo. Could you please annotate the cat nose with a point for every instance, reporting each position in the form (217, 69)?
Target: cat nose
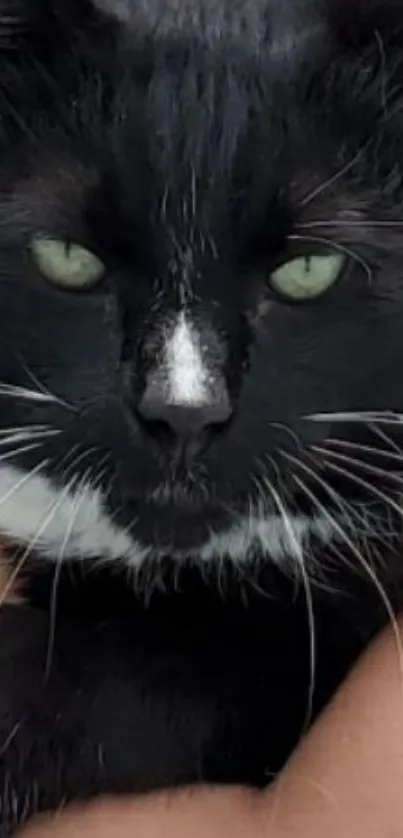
(185, 420)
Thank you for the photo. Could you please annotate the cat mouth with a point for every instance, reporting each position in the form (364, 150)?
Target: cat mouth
(179, 527)
(176, 516)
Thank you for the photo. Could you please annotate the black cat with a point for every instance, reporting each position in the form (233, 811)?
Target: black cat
(201, 309)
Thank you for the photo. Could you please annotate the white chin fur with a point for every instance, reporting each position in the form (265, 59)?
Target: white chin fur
(62, 523)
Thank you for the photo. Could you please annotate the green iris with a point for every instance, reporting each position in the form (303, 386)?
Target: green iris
(69, 266)
(308, 276)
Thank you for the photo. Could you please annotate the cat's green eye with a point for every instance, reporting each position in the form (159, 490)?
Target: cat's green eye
(69, 266)
(307, 277)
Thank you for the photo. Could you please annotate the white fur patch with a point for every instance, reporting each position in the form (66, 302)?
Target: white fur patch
(66, 523)
(55, 521)
(269, 535)
(187, 374)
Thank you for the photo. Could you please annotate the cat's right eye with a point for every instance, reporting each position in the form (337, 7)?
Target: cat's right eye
(308, 277)
(66, 265)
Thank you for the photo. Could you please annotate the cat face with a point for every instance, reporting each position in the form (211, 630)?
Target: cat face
(200, 272)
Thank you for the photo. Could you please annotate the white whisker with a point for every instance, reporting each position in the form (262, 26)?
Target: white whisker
(59, 562)
(41, 388)
(366, 566)
(8, 455)
(298, 552)
(18, 429)
(24, 393)
(350, 513)
(379, 432)
(35, 540)
(331, 180)
(366, 449)
(338, 222)
(6, 497)
(25, 436)
(353, 461)
(368, 487)
(385, 418)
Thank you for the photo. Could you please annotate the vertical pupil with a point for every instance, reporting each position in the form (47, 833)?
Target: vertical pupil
(307, 268)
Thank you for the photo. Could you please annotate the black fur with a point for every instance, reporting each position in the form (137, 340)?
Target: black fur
(195, 146)
(194, 688)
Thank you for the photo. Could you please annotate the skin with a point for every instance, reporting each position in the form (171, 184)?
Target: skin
(344, 780)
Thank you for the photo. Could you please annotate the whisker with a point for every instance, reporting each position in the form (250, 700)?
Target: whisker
(366, 449)
(3, 499)
(338, 222)
(336, 246)
(308, 599)
(24, 479)
(19, 429)
(331, 180)
(59, 563)
(366, 566)
(80, 457)
(368, 487)
(42, 387)
(377, 418)
(349, 512)
(24, 393)
(8, 455)
(8, 587)
(282, 426)
(12, 439)
(375, 429)
(42, 528)
(345, 458)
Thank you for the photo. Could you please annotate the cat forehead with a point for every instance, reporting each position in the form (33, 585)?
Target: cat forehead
(252, 22)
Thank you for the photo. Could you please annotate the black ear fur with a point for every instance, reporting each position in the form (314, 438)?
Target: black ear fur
(360, 25)
(26, 23)
(19, 20)
(367, 38)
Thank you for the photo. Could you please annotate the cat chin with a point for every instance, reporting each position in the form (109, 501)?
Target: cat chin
(59, 523)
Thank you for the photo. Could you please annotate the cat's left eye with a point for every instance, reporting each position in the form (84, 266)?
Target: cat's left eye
(69, 266)
(307, 277)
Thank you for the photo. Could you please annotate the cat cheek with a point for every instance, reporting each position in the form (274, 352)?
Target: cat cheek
(261, 311)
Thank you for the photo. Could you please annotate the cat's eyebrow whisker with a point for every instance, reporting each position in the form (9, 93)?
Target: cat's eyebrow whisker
(331, 180)
(367, 417)
(334, 223)
(347, 251)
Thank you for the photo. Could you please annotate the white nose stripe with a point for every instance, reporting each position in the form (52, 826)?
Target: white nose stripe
(186, 372)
